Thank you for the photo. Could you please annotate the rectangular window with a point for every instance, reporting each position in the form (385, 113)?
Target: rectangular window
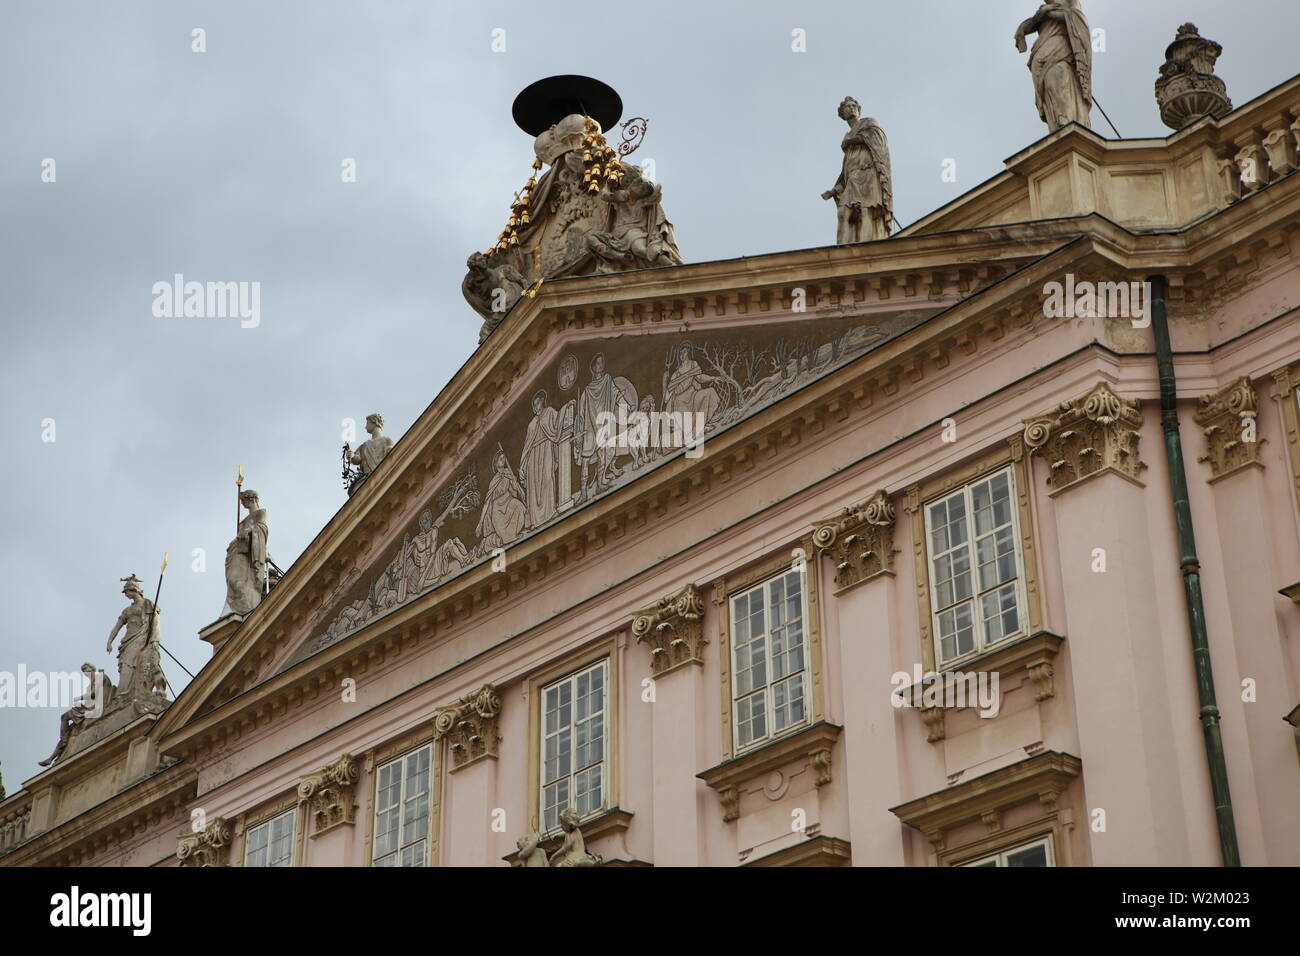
(769, 666)
(402, 810)
(976, 579)
(1038, 853)
(271, 843)
(573, 744)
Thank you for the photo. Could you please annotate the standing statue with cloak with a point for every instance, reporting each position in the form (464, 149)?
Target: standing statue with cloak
(246, 559)
(137, 654)
(1060, 62)
(864, 193)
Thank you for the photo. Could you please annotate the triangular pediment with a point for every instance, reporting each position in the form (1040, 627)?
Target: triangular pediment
(598, 413)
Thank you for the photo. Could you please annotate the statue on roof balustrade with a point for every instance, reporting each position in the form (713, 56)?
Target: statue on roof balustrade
(864, 193)
(1060, 62)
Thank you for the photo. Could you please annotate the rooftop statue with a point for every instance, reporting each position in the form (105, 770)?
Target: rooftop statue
(1060, 62)
(139, 671)
(864, 193)
(246, 560)
(1187, 88)
(90, 706)
(588, 212)
(641, 235)
(369, 453)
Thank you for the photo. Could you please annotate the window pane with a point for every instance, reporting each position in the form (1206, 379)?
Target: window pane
(573, 745)
(1028, 856)
(402, 810)
(769, 658)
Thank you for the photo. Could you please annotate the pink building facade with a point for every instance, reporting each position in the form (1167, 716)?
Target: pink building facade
(913, 465)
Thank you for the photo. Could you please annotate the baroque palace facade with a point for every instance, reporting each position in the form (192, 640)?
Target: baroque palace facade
(509, 638)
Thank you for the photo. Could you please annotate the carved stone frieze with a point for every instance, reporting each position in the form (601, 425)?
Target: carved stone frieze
(1086, 436)
(209, 846)
(1229, 419)
(674, 629)
(860, 540)
(470, 725)
(330, 793)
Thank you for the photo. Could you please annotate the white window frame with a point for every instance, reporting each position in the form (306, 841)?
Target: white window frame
(269, 826)
(405, 796)
(981, 643)
(601, 665)
(805, 670)
(1000, 858)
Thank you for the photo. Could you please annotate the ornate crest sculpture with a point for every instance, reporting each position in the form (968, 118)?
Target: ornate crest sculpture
(587, 213)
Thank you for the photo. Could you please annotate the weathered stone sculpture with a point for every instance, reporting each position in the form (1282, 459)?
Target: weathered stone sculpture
(138, 670)
(530, 851)
(1187, 88)
(588, 213)
(864, 193)
(246, 559)
(573, 849)
(1060, 62)
(89, 706)
(641, 235)
(370, 452)
(492, 287)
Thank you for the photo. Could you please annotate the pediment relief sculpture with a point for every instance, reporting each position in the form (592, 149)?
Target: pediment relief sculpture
(593, 421)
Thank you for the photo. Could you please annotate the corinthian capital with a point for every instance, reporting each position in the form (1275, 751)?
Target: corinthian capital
(330, 793)
(471, 726)
(1087, 436)
(207, 847)
(1229, 420)
(674, 629)
(860, 540)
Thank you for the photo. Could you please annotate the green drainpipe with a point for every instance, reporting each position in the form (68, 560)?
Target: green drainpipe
(1191, 568)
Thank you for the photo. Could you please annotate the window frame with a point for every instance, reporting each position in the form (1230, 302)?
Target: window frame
(401, 803)
(921, 494)
(1047, 840)
(423, 735)
(262, 813)
(769, 698)
(610, 650)
(601, 664)
(269, 824)
(746, 575)
(981, 645)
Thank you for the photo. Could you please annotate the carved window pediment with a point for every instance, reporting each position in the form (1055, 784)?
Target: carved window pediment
(1033, 787)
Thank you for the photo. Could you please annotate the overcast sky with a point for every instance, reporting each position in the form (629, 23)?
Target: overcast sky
(225, 166)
